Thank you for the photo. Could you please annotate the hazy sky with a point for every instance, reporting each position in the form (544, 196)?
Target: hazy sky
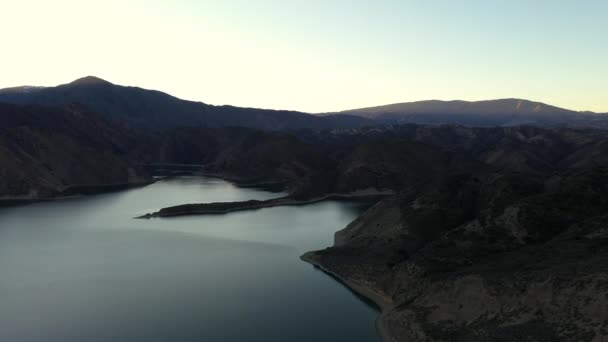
(316, 55)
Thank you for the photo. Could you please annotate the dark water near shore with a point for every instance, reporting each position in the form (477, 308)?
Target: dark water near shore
(84, 270)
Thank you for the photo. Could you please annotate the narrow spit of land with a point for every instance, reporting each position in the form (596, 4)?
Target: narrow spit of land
(227, 207)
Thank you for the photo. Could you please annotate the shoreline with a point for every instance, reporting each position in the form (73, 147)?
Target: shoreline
(73, 191)
(245, 182)
(169, 171)
(215, 208)
(383, 303)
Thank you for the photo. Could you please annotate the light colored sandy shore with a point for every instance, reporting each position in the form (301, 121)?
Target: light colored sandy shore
(383, 302)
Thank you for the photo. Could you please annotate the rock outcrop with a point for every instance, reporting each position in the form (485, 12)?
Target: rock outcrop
(502, 257)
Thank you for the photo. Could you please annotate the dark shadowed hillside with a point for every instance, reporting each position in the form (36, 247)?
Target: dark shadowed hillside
(505, 112)
(154, 110)
(513, 248)
(48, 151)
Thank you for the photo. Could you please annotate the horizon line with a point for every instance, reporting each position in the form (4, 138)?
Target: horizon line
(102, 80)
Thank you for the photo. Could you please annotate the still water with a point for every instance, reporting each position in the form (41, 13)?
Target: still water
(83, 270)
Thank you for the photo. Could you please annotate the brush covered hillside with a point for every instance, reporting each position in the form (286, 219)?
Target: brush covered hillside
(504, 112)
(46, 152)
(508, 242)
(156, 111)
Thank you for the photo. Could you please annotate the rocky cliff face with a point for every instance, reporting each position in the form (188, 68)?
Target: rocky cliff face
(500, 253)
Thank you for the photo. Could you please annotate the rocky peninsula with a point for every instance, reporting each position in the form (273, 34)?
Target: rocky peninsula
(227, 207)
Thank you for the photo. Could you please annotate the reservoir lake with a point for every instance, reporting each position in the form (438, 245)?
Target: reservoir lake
(82, 269)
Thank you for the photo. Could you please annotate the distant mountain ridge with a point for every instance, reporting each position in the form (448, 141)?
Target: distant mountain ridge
(498, 106)
(501, 112)
(155, 110)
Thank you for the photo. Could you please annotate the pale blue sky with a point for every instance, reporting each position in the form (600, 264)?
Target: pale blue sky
(317, 55)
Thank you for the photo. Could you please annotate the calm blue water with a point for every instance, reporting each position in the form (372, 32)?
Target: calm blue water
(84, 270)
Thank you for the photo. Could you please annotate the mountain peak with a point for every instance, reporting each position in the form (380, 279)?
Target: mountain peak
(89, 80)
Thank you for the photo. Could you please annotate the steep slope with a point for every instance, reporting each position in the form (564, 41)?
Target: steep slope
(483, 262)
(154, 110)
(46, 152)
(499, 253)
(277, 158)
(316, 164)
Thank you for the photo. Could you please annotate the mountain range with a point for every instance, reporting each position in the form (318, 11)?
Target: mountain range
(503, 112)
(154, 110)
